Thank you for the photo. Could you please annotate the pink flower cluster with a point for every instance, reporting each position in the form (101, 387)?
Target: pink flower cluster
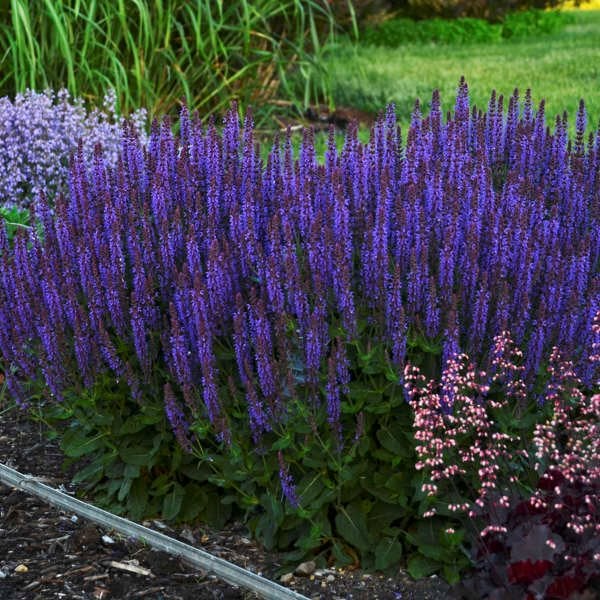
(569, 443)
(464, 453)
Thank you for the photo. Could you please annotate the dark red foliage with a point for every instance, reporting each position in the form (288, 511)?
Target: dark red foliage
(527, 571)
(551, 479)
(562, 587)
(540, 556)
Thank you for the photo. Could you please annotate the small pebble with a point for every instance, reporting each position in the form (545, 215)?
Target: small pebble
(330, 578)
(74, 518)
(286, 578)
(21, 569)
(2, 574)
(107, 539)
(306, 568)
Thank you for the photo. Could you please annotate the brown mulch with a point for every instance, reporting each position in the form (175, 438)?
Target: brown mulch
(46, 553)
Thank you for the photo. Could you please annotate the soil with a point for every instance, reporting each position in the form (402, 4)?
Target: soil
(47, 554)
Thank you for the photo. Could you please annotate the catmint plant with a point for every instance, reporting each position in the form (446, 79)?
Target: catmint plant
(39, 132)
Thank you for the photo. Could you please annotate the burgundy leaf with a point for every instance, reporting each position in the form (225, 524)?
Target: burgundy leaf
(527, 571)
(562, 587)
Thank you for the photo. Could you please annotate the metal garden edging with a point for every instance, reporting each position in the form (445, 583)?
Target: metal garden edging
(225, 570)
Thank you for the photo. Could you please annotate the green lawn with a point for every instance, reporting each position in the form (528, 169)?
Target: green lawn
(562, 68)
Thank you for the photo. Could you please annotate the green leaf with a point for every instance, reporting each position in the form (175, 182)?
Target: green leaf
(436, 553)
(160, 485)
(382, 455)
(176, 458)
(352, 526)
(113, 486)
(390, 442)
(124, 489)
(172, 502)
(216, 513)
(194, 502)
(419, 566)
(91, 473)
(229, 499)
(132, 424)
(353, 472)
(451, 574)
(399, 483)
(265, 531)
(282, 443)
(75, 443)
(132, 471)
(387, 553)
(196, 471)
(342, 558)
(361, 396)
(453, 539)
(137, 499)
(269, 522)
(140, 456)
(427, 537)
(382, 515)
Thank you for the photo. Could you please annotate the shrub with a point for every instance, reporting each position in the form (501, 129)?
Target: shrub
(400, 31)
(202, 321)
(491, 10)
(38, 133)
(533, 23)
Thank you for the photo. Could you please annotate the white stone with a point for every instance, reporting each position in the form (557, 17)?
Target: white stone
(306, 568)
(286, 577)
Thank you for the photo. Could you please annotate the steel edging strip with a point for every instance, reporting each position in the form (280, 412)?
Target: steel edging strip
(225, 570)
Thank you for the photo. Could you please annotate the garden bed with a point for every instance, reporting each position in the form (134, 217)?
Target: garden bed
(67, 557)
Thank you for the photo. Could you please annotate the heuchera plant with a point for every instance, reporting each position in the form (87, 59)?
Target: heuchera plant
(525, 545)
(219, 334)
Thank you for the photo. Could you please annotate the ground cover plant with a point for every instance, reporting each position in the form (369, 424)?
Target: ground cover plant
(560, 67)
(40, 131)
(156, 53)
(217, 336)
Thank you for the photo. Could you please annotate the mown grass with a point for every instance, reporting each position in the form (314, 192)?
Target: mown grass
(561, 67)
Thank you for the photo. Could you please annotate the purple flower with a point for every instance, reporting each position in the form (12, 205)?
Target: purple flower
(38, 132)
(184, 258)
(177, 419)
(287, 482)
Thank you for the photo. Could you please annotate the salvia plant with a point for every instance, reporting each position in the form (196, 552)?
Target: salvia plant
(221, 336)
(39, 131)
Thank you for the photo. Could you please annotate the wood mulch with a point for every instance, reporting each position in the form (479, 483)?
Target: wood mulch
(47, 554)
